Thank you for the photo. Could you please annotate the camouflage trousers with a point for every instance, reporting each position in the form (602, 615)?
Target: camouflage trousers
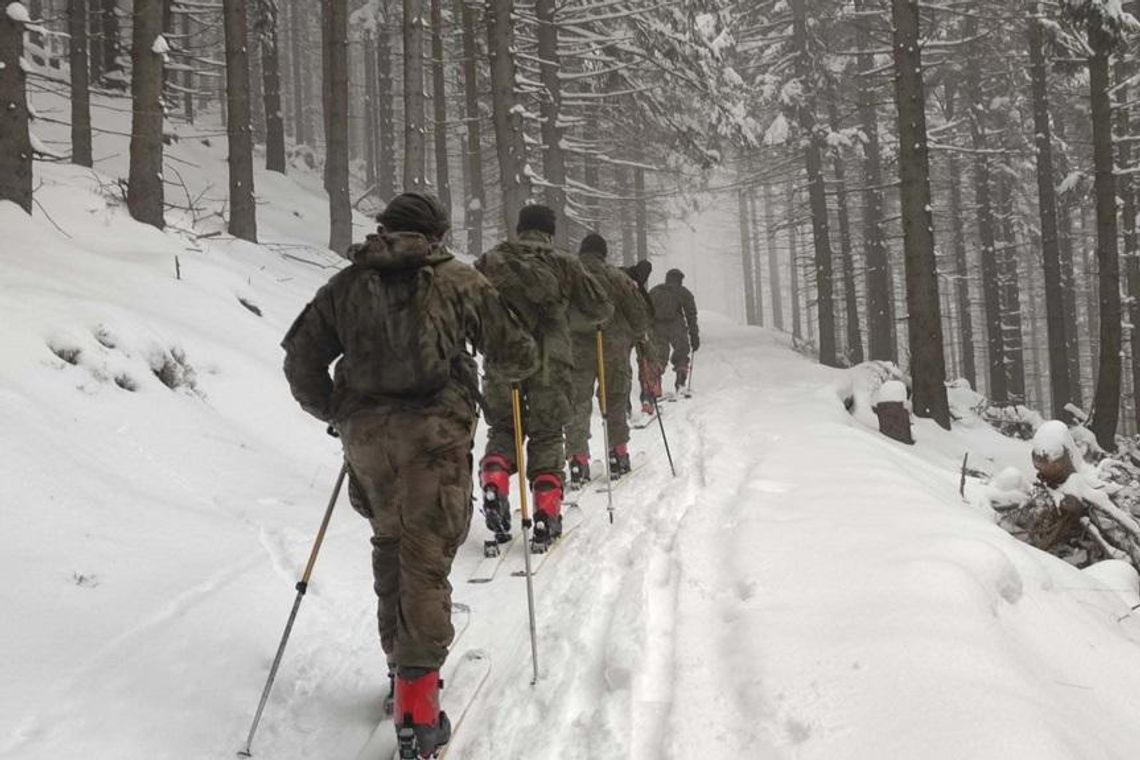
(584, 387)
(671, 337)
(545, 412)
(411, 477)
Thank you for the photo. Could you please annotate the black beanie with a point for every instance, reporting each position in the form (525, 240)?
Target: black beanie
(416, 212)
(674, 275)
(536, 217)
(594, 243)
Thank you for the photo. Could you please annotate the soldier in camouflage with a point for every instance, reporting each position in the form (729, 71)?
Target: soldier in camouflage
(403, 398)
(648, 373)
(674, 325)
(543, 286)
(629, 325)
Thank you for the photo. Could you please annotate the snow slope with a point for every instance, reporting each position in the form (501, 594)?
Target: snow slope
(804, 588)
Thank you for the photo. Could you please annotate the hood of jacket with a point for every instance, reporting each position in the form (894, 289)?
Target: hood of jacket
(398, 251)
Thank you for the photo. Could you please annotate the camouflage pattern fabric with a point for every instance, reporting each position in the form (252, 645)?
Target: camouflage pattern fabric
(546, 410)
(675, 327)
(585, 387)
(411, 476)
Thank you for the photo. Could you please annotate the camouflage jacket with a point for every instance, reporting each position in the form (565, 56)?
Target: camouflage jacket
(544, 286)
(632, 319)
(340, 322)
(674, 303)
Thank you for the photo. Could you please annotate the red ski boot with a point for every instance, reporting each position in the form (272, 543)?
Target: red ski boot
(547, 490)
(421, 727)
(619, 461)
(495, 478)
(579, 471)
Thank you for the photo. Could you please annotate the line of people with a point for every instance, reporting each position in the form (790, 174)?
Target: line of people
(404, 398)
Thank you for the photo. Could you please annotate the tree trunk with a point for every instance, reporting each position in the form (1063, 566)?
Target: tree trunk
(880, 344)
(626, 215)
(508, 122)
(144, 187)
(773, 258)
(112, 47)
(793, 264)
(553, 158)
(370, 97)
(386, 113)
(746, 257)
(851, 299)
(336, 125)
(267, 18)
(1009, 282)
(301, 133)
(439, 107)
(998, 386)
(924, 319)
(243, 212)
(1068, 275)
(256, 73)
(813, 139)
(188, 75)
(415, 155)
(476, 199)
(757, 280)
(15, 140)
(968, 367)
(1106, 404)
(1047, 207)
(641, 213)
(80, 85)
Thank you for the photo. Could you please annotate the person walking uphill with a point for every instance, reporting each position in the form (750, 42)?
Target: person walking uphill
(629, 324)
(675, 325)
(543, 286)
(403, 399)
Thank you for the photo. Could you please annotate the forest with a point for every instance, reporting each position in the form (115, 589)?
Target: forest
(948, 185)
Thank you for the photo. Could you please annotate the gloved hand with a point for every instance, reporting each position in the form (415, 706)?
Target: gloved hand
(696, 342)
(331, 430)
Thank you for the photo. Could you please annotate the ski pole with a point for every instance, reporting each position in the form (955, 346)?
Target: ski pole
(605, 421)
(664, 437)
(516, 406)
(302, 587)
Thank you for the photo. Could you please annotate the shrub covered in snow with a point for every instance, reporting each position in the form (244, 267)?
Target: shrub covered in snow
(1077, 510)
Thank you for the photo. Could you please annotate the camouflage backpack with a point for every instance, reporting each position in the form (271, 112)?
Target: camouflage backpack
(396, 342)
(527, 281)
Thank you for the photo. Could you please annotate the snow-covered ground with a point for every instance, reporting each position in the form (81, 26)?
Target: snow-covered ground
(804, 588)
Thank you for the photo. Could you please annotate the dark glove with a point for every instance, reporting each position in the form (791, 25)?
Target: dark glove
(696, 341)
(331, 430)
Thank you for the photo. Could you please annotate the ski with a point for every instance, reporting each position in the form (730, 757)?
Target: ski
(463, 679)
(489, 566)
(637, 461)
(571, 520)
(381, 743)
(461, 688)
(644, 422)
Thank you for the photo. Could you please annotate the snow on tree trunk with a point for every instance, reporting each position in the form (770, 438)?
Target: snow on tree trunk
(813, 137)
(1106, 404)
(386, 112)
(145, 184)
(506, 112)
(553, 158)
(757, 277)
(1047, 211)
(773, 258)
(475, 193)
(439, 107)
(415, 156)
(854, 337)
(111, 46)
(746, 260)
(370, 97)
(793, 256)
(880, 344)
(336, 125)
(1009, 283)
(243, 212)
(15, 140)
(924, 318)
